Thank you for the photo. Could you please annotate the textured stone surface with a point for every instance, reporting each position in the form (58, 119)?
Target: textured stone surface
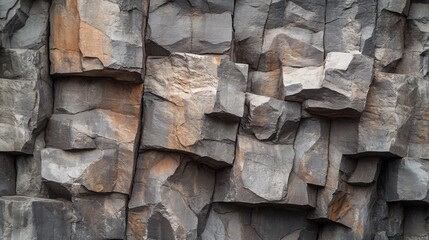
(26, 99)
(107, 43)
(7, 175)
(256, 176)
(170, 196)
(180, 94)
(385, 125)
(189, 26)
(34, 218)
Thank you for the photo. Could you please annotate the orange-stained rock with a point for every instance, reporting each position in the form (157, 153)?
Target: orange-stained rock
(98, 38)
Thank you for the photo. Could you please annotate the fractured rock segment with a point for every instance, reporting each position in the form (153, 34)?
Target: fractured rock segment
(260, 173)
(384, 126)
(339, 89)
(235, 222)
(407, 179)
(170, 196)
(7, 175)
(365, 172)
(99, 121)
(201, 27)
(34, 218)
(311, 151)
(25, 86)
(350, 26)
(181, 92)
(265, 83)
(106, 44)
(269, 119)
(99, 216)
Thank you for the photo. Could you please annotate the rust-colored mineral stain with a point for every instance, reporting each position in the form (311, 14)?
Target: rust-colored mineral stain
(94, 43)
(339, 207)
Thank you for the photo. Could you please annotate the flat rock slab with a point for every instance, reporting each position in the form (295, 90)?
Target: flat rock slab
(182, 98)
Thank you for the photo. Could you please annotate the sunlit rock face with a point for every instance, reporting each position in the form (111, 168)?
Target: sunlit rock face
(214, 119)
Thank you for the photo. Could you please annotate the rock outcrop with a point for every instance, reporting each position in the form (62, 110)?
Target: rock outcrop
(214, 119)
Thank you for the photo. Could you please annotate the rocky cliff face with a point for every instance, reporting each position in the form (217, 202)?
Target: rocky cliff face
(214, 119)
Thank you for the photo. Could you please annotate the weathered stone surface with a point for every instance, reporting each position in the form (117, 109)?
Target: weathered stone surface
(106, 44)
(407, 179)
(180, 93)
(233, 222)
(99, 217)
(389, 44)
(384, 126)
(26, 99)
(99, 120)
(342, 141)
(311, 151)
(28, 171)
(7, 175)
(350, 26)
(269, 119)
(34, 218)
(199, 27)
(365, 172)
(170, 197)
(338, 89)
(397, 6)
(265, 83)
(415, 224)
(256, 176)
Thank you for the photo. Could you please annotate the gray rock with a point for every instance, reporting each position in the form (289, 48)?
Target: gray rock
(350, 26)
(199, 27)
(395, 222)
(269, 119)
(256, 176)
(265, 83)
(366, 171)
(28, 171)
(180, 93)
(384, 126)
(91, 45)
(407, 179)
(34, 218)
(99, 217)
(389, 44)
(233, 222)
(170, 196)
(396, 6)
(7, 175)
(415, 224)
(311, 151)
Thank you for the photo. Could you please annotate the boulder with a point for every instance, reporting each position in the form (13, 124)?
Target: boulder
(201, 27)
(87, 44)
(384, 126)
(171, 195)
(185, 106)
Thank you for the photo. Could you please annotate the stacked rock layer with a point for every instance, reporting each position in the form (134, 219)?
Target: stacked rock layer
(214, 119)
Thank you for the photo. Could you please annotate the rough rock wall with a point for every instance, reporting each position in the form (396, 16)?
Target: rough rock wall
(214, 119)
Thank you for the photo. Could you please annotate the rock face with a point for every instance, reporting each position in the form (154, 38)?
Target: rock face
(182, 92)
(106, 44)
(214, 119)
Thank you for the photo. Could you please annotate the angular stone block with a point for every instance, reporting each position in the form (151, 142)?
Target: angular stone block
(269, 119)
(365, 172)
(407, 179)
(199, 27)
(181, 92)
(34, 218)
(350, 26)
(384, 126)
(170, 196)
(260, 173)
(311, 151)
(99, 217)
(265, 83)
(87, 44)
